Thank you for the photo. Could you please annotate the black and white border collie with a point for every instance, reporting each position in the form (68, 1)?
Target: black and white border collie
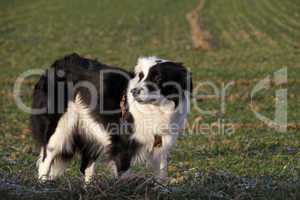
(80, 105)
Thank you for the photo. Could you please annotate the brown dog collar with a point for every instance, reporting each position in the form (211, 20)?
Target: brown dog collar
(157, 141)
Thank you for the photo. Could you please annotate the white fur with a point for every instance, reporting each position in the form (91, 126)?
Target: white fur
(113, 168)
(155, 119)
(61, 139)
(57, 168)
(145, 63)
(89, 126)
(89, 172)
(77, 114)
(150, 120)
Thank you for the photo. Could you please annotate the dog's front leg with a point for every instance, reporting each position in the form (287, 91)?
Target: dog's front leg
(159, 158)
(159, 163)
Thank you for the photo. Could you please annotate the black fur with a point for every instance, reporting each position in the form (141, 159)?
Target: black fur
(73, 69)
(169, 72)
(110, 89)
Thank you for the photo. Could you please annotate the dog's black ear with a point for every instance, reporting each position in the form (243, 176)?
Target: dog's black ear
(182, 76)
(175, 80)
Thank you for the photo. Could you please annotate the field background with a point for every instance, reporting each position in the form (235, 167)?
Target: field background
(249, 41)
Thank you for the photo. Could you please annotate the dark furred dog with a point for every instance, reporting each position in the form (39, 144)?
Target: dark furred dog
(81, 105)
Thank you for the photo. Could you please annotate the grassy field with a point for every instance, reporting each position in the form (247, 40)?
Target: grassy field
(250, 40)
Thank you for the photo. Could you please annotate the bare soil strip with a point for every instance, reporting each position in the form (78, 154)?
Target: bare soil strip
(201, 39)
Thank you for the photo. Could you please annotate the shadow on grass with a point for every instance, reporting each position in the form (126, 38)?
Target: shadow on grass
(200, 185)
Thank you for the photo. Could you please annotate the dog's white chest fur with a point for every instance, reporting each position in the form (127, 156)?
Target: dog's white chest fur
(161, 119)
(151, 120)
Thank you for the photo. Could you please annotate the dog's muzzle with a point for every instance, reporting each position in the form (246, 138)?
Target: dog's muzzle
(136, 92)
(142, 95)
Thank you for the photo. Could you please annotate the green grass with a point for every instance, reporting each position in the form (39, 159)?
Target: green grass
(251, 40)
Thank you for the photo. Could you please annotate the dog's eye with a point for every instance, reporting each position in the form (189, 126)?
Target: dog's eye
(141, 76)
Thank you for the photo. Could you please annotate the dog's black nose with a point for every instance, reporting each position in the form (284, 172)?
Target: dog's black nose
(135, 91)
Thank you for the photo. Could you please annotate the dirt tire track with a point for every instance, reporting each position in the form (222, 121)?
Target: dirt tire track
(201, 39)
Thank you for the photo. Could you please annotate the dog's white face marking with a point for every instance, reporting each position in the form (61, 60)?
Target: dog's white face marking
(145, 63)
(139, 82)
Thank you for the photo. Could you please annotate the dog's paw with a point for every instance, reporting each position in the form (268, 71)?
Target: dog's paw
(43, 178)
